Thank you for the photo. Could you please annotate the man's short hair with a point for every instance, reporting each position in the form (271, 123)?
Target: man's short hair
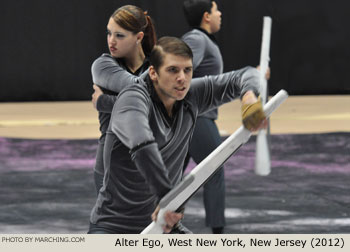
(170, 45)
(194, 10)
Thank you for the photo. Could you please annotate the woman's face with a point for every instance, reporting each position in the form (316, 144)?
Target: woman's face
(121, 42)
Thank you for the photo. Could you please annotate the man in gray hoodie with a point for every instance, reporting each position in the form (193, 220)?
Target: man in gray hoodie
(149, 133)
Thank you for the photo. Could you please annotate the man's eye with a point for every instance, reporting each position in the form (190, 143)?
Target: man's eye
(188, 70)
(173, 70)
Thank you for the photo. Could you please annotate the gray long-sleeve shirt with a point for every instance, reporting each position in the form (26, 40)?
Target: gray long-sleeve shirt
(112, 76)
(145, 149)
(207, 59)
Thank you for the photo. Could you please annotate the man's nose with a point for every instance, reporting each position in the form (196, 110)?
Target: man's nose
(181, 77)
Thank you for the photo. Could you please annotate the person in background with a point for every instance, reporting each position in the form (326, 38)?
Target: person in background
(204, 18)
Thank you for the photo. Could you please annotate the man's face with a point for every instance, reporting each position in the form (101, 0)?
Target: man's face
(215, 18)
(172, 81)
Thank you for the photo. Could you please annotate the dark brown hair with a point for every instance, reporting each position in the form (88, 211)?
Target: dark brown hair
(134, 19)
(171, 45)
(195, 9)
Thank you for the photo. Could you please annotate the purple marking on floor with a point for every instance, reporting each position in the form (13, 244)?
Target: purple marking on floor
(47, 187)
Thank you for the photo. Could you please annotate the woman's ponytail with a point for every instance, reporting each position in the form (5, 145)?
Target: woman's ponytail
(150, 38)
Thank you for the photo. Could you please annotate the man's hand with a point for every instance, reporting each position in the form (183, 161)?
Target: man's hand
(171, 218)
(96, 94)
(267, 74)
(253, 115)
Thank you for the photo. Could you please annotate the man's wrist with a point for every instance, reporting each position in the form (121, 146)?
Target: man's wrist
(249, 97)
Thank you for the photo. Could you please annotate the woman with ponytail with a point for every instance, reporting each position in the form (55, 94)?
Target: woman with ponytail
(130, 38)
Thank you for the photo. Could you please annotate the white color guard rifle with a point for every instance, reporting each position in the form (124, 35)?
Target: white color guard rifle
(262, 152)
(178, 196)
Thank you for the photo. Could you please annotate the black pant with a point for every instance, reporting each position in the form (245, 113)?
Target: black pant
(205, 139)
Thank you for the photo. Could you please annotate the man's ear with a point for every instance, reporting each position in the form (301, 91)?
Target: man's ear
(153, 74)
(206, 17)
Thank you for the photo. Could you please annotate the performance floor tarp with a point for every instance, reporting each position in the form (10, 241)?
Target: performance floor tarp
(46, 186)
